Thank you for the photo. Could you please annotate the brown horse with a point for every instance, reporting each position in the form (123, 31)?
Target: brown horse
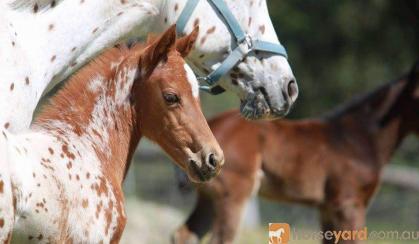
(65, 175)
(333, 163)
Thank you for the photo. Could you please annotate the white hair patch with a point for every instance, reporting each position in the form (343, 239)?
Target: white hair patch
(192, 80)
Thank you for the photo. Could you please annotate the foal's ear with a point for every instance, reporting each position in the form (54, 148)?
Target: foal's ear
(184, 45)
(157, 51)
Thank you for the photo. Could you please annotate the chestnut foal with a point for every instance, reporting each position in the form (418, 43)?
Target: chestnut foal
(65, 174)
(333, 163)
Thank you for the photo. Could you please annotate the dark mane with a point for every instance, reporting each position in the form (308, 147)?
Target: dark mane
(359, 100)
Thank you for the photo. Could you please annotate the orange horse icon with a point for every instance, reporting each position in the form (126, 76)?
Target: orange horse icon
(279, 233)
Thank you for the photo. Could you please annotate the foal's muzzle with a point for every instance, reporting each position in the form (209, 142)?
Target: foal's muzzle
(205, 166)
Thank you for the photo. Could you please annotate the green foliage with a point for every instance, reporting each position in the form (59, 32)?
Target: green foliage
(340, 48)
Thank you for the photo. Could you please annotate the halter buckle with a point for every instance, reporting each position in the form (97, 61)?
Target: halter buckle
(202, 78)
(246, 45)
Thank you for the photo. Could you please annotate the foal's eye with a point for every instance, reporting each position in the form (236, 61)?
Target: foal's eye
(171, 98)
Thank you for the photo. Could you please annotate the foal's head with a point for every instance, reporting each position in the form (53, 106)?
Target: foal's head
(168, 107)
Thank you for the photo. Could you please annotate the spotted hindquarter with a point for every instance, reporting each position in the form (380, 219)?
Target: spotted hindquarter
(6, 198)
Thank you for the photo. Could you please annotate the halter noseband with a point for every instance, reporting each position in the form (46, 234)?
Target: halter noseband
(245, 43)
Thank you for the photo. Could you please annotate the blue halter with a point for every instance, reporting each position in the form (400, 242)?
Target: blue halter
(244, 43)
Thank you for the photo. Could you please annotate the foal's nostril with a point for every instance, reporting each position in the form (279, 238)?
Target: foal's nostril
(292, 90)
(212, 161)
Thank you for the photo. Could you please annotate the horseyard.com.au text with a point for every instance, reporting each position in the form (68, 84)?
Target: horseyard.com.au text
(351, 235)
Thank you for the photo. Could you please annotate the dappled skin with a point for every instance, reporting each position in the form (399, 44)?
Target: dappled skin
(43, 42)
(332, 163)
(61, 182)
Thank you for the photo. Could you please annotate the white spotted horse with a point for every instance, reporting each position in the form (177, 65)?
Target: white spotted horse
(44, 41)
(61, 181)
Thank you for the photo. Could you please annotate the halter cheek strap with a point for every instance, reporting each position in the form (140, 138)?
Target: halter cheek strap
(245, 44)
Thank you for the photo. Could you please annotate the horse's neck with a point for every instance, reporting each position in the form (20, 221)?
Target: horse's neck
(392, 125)
(90, 26)
(41, 49)
(98, 113)
(366, 120)
(251, 15)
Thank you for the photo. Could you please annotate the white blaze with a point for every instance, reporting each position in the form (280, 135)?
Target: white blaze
(192, 80)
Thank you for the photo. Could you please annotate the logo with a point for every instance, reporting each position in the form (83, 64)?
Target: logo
(279, 233)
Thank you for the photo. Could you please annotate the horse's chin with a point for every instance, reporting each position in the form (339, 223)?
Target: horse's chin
(256, 106)
(196, 176)
(197, 179)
